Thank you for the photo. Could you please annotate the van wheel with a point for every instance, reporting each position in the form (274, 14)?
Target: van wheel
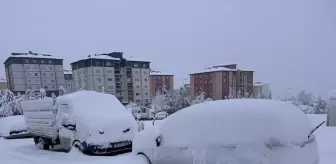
(42, 144)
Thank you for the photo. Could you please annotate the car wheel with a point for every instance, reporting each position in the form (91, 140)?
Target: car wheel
(78, 145)
(143, 158)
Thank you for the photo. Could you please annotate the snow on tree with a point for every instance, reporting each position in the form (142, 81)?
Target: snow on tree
(62, 91)
(10, 104)
(43, 93)
(305, 98)
(133, 107)
(270, 95)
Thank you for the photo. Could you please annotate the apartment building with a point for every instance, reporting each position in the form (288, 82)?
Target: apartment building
(222, 82)
(68, 81)
(261, 90)
(34, 71)
(3, 83)
(160, 80)
(127, 78)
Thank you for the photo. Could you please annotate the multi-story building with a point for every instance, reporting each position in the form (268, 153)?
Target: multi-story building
(261, 90)
(34, 71)
(68, 81)
(3, 83)
(221, 82)
(128, 79)
(159, 80)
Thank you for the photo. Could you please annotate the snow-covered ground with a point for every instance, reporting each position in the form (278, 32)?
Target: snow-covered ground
(24, 151)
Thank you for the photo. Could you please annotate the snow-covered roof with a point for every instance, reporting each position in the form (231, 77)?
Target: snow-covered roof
(67, 72)
(332, 94)
(159, 73)
(106, 57)
(32, 55)
(219, 68)
(3, 80)
(259, 84)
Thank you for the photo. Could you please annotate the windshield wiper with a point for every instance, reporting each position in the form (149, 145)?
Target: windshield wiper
(318, 126)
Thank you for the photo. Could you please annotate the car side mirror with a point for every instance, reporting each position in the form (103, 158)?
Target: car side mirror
(158, 141)
(68, 124)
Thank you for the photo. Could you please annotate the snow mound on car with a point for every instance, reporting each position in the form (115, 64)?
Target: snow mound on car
(10, 124)
(237, 121)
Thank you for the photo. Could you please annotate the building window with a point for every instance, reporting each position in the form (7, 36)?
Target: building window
(51, 74)
(129, 80)
(42, 61)
(50, 68)
(109, 79)
(45, 87)
(36, 67)
(37, 81)
(137, 101)
(97, 71)
(137, 79)
(137, 86)
(109, 71)
(167, 77)
(99, 79)
(53, 87)
(50, 61)
(136, 65)
(44, 81)
(100, 87)
(68, 85)
(34, 61)
(36, 74)
(27, 67)
(37, 87)
(28, 81)
(137, 72)
(146, 100)
(109, 87)
(146, 86)
(137, 94)
(145, 79)
(52, 81)
(44, 74)
(30, 87)
(26, 61)
(146, 93)
(108, 63)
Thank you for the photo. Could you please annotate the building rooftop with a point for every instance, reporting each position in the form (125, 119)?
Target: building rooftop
(110, 56)
(159, 73)
(32, 55)
(66, 72)
(259, 83)
(3, 80)
(218, 68)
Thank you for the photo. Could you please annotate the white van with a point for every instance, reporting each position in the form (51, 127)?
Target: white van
(95, 123)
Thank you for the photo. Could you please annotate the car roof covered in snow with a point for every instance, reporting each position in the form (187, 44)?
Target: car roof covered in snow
(236, 121)
(93, 103)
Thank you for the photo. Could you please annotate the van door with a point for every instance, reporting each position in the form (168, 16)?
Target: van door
(66, 134)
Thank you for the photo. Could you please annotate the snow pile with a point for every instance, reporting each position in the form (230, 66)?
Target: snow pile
(100, 118)
(274, 128)
(11, 124)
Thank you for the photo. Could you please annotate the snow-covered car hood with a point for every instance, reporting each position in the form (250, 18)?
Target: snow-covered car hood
(103, 130)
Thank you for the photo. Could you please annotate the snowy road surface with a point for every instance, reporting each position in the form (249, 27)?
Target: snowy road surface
(23, 151)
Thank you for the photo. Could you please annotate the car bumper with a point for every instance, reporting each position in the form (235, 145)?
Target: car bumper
(110, 150)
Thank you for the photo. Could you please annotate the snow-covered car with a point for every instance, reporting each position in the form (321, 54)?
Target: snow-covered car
(161, 115)
(13, 127)
(242, 131)
(94, 122)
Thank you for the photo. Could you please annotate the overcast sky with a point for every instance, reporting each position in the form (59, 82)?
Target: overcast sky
(288, 43)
